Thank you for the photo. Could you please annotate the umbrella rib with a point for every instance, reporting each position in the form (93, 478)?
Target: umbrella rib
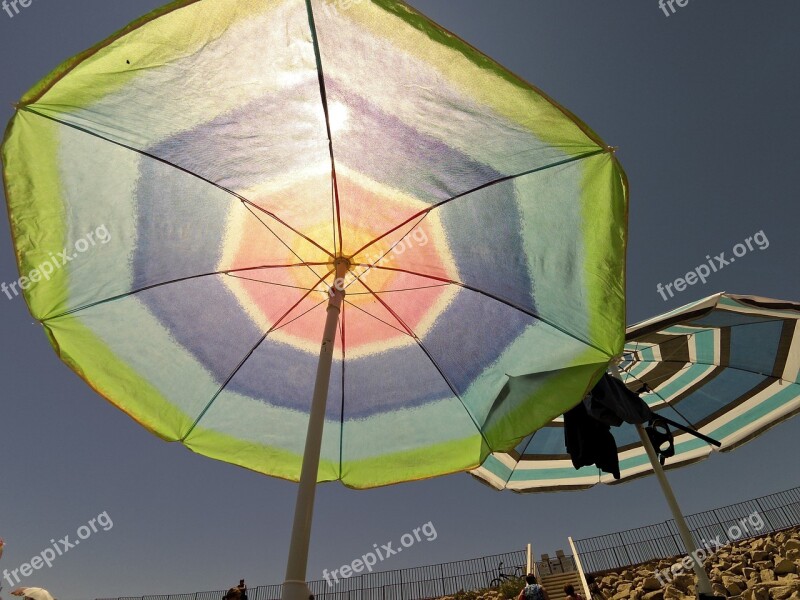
(664, 400)
(482, 187)
(508, 303)
(273, 216)
(411, 289)
(248, 355)
(366, 312)
(182, 169)
(294, 287)
(433, 362)
(163, 283)
(301, 315)
(324, 99)
(289, 248)
(392, 247)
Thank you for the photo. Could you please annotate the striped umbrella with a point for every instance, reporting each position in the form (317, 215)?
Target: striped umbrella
(189, 195)
(726, 366)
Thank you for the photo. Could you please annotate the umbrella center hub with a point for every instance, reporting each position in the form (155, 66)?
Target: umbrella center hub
(342, 264)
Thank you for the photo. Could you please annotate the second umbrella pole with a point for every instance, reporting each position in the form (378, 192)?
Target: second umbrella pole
(703, 582)
(295, 588)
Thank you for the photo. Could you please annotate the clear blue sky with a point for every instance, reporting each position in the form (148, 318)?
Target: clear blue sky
(703, 105)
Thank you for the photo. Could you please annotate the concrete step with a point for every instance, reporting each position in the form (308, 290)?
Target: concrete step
(554, 584)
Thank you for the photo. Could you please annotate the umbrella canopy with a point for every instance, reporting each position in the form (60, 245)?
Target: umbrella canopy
(726, 366)
(183, 189)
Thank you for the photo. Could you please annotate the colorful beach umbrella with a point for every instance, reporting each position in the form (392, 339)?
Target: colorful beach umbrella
(189, 195)
(726, 366)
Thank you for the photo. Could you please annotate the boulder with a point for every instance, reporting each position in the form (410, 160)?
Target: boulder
(655, 595)
(767, 575)
(791, 544)
(735, 589)
(784, 566)
(718, 589)
(683, 581)
(757, 593)
(781, 593)
(733, 584)
(759, 555)
(672, 593)
(760, 593)
(736, 568)
(650, 584)
(624, 586)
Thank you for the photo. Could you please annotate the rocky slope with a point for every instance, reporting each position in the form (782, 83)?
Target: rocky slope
(764, 568)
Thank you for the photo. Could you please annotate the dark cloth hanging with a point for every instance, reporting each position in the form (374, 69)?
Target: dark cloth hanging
(587, 427)
(589, 441)
(611, 402)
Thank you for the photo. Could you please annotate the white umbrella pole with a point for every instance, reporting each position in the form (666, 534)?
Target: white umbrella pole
(529, 568)
(703, 583)
(295, 588)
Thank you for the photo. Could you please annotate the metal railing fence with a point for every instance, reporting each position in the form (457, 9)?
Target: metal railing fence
(661, 540)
